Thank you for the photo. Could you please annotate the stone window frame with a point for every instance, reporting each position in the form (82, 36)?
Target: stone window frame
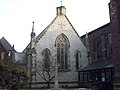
(77, 59)
(46, 58)
(62, 44)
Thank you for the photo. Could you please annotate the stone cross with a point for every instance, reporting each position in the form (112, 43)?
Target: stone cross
(61, 24)
(61, 2)
(56, 74)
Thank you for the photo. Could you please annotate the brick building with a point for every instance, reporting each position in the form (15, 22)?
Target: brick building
(7, 52)
(9, 56)
(103, 44)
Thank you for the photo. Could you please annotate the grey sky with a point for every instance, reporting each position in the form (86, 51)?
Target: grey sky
(16, 17)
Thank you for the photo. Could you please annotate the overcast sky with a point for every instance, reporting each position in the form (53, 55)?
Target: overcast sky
(16, 17)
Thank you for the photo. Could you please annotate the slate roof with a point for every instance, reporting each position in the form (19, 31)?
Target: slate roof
(44, 31)
(6, 44)
(20, 57)
(100, 64)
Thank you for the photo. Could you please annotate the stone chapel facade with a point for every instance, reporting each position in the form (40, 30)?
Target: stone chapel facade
(58, 41)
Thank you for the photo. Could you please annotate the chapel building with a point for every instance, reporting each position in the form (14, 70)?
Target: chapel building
(60, 42)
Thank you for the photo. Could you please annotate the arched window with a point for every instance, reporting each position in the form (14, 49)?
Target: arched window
(46, 58)
(62, 45)
(77, 58)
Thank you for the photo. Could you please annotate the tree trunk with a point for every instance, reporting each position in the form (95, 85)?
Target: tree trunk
(48, 84)
(2, 86)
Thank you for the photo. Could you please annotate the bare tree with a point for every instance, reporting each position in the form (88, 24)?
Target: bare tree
(46, 73)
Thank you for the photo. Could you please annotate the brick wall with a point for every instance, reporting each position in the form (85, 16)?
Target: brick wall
(104, 32)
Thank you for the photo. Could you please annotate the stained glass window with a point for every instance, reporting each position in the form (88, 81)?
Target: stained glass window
(46, 58)
(62, 45)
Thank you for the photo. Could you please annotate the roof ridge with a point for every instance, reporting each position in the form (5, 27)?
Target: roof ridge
(44, 31)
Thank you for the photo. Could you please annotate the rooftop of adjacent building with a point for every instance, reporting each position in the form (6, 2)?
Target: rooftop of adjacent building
(6, 44)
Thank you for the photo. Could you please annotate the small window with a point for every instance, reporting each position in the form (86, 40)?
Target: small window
(98, 48)
(9, 53)
(77, 57)
(2, 55)
(46, 58)
(109, 44)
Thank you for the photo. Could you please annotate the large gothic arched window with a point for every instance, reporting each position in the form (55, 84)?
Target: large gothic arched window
(77, 57)
(46, 58)
(62, 44)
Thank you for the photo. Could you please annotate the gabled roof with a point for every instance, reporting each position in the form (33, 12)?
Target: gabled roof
(43, 32)
(100, 28)
(6, 44)
(100, 64)
(46, 29)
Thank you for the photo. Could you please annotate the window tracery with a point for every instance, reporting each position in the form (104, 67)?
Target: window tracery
(62, 44)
